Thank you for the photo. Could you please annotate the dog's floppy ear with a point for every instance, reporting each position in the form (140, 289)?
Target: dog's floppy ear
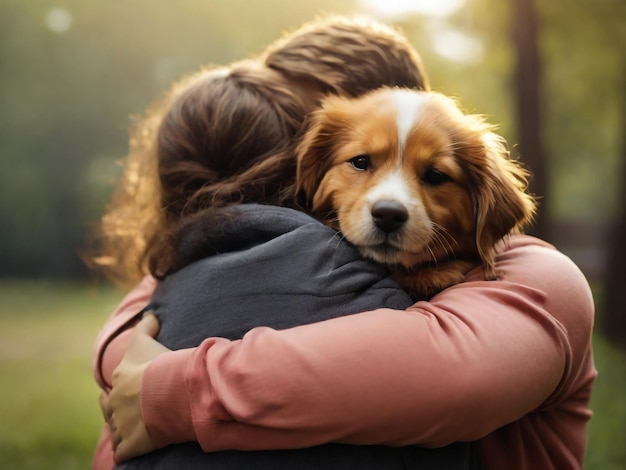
(502, 205)
(315, 156)
(310, 164)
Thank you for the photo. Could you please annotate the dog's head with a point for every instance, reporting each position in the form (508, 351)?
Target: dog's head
(410, 179)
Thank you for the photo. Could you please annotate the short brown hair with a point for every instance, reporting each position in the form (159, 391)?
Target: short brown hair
(348, 56)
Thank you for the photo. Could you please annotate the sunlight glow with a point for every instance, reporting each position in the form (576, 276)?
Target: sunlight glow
(397, 8)
(457, 46)
(58, 20)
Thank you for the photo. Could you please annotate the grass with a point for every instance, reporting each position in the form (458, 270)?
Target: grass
(48, 398)
(607, 428)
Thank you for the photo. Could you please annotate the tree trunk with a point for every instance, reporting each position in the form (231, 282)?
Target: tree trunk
(527, 86)
(613, 323)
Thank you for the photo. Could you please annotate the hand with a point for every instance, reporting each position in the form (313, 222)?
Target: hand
(123, 407)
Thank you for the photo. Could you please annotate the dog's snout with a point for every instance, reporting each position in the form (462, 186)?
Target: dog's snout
(389, 216)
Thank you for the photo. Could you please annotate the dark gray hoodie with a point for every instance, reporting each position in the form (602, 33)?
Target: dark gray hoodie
(279, 268)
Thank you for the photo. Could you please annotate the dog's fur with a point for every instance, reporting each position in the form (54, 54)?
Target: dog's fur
(414, 183)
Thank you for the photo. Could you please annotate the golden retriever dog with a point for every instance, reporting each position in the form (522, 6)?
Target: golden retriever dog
(413, 182)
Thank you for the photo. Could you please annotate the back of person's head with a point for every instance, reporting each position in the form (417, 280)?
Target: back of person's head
(220, 136)
(347, 56)
(227, 137)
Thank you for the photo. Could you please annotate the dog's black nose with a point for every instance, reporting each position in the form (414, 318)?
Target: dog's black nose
(389, 216)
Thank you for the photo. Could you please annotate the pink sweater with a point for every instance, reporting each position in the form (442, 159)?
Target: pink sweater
(506, 363)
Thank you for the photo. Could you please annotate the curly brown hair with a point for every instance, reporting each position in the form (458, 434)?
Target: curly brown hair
(227, 135)
(219, 137)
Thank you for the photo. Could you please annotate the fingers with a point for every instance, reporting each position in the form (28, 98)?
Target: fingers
(122, 407)
(130, 440)
(119, 448)
(109, 417)
(142, 346)
(148, 325)
(104, 406)
(122, 454)
(116, 437)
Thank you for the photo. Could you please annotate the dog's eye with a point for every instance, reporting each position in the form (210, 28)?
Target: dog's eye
(361, 162)
(435, 177)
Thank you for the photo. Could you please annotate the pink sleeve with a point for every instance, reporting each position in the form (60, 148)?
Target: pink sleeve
(113, 337)
(476, 357)
(103, 455)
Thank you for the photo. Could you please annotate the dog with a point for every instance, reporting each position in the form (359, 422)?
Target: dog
(414, 183)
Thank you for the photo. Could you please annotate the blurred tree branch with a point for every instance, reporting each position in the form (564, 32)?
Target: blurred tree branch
(614, 321)
(528, 98)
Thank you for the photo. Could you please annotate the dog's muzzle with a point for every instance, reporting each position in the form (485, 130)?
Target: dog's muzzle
(388, 215)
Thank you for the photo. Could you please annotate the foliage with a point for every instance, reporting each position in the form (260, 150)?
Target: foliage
(583, 46)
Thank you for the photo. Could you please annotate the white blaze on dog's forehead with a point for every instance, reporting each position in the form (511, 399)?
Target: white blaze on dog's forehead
(408, 106)
(392, 187)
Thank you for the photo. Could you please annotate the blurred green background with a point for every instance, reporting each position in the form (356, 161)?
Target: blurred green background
(73, 73)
